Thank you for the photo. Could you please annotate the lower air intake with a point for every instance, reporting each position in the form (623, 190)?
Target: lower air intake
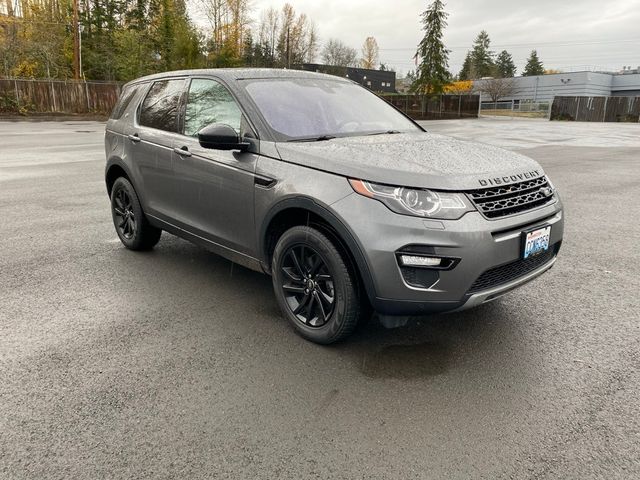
(496, 276)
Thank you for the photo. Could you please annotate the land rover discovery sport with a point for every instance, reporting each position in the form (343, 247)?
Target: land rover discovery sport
(347, 203)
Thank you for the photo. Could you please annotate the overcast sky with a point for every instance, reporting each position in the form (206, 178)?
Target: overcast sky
(568, 34)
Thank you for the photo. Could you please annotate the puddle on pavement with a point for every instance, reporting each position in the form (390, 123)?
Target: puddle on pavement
(407, 361)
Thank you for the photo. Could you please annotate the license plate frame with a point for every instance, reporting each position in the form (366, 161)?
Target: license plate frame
(541, 234)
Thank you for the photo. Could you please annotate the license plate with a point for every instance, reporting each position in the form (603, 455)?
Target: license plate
(536, 241)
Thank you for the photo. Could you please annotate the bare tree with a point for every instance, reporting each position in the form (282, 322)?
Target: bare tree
(217, 12)
(287, 19)
(268, 31)
(370, 53)
(497, 88)
(239, 11)
(312, 43)
(338, 54)
(298, 39)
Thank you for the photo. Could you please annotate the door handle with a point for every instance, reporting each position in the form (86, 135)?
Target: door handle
(134, 138)
(183, 152)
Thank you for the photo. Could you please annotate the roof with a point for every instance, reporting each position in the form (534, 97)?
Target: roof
(241, 74)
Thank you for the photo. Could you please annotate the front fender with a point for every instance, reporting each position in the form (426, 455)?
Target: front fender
(343, 232)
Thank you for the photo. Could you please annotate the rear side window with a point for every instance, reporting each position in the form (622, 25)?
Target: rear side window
(127, 94)
(160, 107)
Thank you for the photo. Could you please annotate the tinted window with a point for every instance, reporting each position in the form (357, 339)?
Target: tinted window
(127, 94)
(160, 107)
(210, 102)
(305, 108)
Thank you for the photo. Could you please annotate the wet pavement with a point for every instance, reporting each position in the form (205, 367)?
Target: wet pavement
(176, 364)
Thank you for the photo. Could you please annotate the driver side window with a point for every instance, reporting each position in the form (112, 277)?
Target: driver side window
(210, 102)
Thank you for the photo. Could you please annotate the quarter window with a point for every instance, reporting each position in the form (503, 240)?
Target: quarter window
(210, 102)
(160, 107)
(126, 96)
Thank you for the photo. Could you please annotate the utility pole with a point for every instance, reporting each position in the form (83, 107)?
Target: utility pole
(76, 42)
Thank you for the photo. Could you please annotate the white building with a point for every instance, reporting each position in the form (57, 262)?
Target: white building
(543, 88)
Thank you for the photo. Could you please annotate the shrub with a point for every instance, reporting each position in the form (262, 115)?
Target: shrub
(9, 104)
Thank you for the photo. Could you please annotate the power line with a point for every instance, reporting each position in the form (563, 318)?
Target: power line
(515, 45)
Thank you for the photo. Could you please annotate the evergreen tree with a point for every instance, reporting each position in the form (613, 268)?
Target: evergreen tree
(166, 34)
(482, 56)
(534, 65)
(432, 74)
(250, 52)
(505, 68)
(467, 72)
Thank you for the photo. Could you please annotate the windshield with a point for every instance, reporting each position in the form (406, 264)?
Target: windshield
(310, 108)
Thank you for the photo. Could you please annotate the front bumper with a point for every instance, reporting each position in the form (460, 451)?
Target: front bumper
(479, 244)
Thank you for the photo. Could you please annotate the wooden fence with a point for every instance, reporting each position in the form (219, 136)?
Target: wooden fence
(420, 107)
(596, 109)
(60, 96)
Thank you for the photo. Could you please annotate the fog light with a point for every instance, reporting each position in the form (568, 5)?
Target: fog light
(416, 261)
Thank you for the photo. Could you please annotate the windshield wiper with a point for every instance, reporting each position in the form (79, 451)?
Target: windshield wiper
(321, 138)
(388, 132)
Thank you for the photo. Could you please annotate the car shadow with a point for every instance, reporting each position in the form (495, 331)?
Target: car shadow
(428, 346)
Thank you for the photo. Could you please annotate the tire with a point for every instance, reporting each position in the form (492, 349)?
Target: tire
(133, 228)
(314, 286)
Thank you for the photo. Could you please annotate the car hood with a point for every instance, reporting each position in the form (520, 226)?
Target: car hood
(421, 159)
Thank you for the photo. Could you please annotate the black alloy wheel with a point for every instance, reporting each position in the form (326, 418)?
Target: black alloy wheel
(308, 285)
(131, 224)
(315, 285)
(123, 211)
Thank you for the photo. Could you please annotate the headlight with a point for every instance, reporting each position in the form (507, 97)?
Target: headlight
(416, 202)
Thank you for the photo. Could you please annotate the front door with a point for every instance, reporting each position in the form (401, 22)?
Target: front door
(215, 187)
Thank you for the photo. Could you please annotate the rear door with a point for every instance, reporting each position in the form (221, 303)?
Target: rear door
(150, 144)
(215, 187)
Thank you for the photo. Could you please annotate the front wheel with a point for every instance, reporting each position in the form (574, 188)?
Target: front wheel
(315, 288)
(132, 226)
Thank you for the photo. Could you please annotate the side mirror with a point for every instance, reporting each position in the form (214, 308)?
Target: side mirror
(220, 136)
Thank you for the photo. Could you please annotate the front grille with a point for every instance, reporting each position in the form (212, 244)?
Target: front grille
(500, 201)
(497, 276)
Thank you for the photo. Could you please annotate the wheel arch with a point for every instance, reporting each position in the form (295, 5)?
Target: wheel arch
(305, 211)
(115, 169)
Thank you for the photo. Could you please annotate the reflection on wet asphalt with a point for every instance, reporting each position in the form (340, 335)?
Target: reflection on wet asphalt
(406, 361)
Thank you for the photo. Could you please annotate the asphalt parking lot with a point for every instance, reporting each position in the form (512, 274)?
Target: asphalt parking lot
(177, 364)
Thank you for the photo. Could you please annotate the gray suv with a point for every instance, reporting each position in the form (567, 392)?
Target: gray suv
(347, 203)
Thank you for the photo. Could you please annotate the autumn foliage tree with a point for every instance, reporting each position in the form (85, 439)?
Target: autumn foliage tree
(34, 41)
(460, 87)
(120, 39)
(370, 53)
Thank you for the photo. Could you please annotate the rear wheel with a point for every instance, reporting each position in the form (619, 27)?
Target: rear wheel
(133, 228)
(314, 286)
